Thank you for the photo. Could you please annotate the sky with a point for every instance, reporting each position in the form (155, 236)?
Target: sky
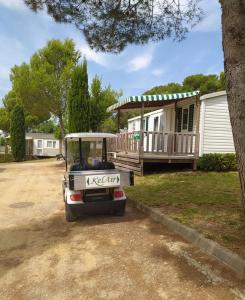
(135, 70)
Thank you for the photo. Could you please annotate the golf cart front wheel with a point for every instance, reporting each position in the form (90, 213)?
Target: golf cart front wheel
(68, 214)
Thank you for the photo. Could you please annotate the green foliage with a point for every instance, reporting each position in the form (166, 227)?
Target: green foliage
(169, 88)
(97, 105)
(222, 81)
(204, 83)
(100, 100)
(17, 133)
(4, 119)
(46, 127)
(43, 85)
(2, 141)
(57, 133)
(109, 125)
(78, 100)
(218, 162)
(110, 25)
(10, 100)
(5, 158)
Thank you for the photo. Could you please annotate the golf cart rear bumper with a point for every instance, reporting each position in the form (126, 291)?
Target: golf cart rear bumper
(96, 207)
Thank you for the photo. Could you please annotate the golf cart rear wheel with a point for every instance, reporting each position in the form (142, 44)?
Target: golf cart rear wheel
(68, 213)
(119, 211)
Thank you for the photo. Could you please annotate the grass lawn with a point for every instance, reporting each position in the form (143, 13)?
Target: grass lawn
(207, 201)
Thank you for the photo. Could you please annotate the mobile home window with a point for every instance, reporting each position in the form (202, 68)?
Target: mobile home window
(191, 117)
(156, 120)
(54, 144)
(49, 144)
(39, 144)
(146, 124)
(178, 118)
(185, 118)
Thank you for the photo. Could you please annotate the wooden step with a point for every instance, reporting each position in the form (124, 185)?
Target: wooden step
(126, 159)
(124, 168)
(125, 162)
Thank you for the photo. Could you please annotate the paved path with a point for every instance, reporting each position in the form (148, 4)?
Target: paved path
(103, 257)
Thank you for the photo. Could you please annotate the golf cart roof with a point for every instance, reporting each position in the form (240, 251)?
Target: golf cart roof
(88, 136)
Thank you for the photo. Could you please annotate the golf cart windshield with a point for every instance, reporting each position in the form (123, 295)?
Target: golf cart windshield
(88, 156)
(87, 152)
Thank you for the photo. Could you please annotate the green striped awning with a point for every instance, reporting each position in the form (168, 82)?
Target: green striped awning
(150, 100)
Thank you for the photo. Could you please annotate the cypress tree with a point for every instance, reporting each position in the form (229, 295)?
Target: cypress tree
(17, 133)
(78, 100)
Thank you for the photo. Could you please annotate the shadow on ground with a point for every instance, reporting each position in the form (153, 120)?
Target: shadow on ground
(21, 243)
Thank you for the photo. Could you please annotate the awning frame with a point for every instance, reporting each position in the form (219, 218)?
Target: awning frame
(151, 101)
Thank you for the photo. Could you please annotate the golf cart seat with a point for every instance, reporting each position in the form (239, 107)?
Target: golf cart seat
(107, 165)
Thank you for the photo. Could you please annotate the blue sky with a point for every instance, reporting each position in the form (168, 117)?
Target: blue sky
(135, 70)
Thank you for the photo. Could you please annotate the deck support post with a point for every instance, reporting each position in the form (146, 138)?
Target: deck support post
(118, 120)
(197, 138)
(141, 149)
(142, 130)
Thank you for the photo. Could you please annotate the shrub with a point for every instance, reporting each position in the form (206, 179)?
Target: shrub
(218, 162)
(5, 158)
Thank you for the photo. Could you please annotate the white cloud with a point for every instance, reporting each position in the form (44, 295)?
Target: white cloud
(91, 55)
(157, 72)
(141, 61)
(13, 4)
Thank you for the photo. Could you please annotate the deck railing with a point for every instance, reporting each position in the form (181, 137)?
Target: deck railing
(165, 143)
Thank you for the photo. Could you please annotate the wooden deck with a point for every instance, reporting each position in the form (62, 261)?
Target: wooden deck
(131, 150)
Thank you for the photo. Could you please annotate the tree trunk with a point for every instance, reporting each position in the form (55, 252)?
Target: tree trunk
(233, 28)
(62, 132)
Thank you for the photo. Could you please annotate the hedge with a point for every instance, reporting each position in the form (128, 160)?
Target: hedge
(218, 162)
(4, 158)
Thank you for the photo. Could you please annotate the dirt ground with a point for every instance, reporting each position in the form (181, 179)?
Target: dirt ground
(98, 257)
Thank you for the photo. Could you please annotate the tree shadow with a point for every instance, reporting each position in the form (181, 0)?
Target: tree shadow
(21, 243)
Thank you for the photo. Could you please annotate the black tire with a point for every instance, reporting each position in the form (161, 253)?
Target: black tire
(119, 212)
(68, 214)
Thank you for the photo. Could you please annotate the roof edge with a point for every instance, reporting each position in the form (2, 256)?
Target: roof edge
(213, 95)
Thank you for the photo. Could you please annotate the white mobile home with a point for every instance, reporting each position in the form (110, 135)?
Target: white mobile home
(42, 144)
(180, 128)
(214, 125)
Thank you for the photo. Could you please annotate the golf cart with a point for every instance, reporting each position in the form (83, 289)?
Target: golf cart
(91, 183)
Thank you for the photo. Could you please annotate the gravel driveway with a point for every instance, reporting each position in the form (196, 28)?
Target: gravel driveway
(98, 257)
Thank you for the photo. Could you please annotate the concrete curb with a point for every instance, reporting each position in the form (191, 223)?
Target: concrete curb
(224, 255)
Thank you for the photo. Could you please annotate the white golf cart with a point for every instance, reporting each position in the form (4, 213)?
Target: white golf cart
(91, 183)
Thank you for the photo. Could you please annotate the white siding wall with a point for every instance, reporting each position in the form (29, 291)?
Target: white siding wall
(44, 150)
(135, 122)
(215, 127)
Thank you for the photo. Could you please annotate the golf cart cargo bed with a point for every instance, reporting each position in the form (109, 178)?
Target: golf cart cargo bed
(91, 179)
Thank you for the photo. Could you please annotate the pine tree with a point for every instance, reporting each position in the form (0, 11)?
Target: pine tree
(17, 133)
(78, 100)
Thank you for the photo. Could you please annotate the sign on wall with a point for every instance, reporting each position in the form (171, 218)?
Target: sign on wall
(136, 136)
